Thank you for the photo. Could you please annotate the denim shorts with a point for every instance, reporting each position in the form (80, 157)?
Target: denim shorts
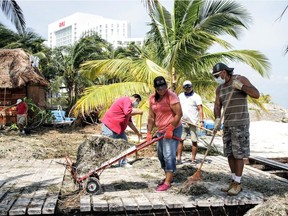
(236, 141)
(166, 150)
(109, 133)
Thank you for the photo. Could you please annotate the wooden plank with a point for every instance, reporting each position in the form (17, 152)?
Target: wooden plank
(203, 201)
(216, 200)
(188, 202)
(99, 204)
(156, 201)
(7, 203)
(143, 202)
(85, 203)
(269, 162)
(171, 203)
(129, 203)
(115, 205)
(20, 206)
(231, 200)
(35, 208)
(50, 205)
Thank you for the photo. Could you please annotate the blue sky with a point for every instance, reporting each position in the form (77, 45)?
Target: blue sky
(265, 34)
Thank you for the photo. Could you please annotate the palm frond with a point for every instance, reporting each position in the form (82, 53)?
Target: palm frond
(255, 59)
(141, 70)
(12, 10)
(100, 98)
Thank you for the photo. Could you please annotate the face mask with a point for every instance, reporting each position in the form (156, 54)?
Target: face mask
(135, 104)
(219, 80)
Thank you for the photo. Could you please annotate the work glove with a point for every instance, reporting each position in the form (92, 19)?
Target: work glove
(237, 84)
(149, 137)
(169, 132)
(217, 124)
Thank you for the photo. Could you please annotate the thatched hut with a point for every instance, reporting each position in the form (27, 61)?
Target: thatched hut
(18, 79)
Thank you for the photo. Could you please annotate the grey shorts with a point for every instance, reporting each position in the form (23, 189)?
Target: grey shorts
(236, 141)
(21, 119)
(189, 130)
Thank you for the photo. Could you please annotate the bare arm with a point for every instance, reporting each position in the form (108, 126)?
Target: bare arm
(177, 110)
(248, 88)
(200, 111)
(151, 120)
(132, 126)
(136, 112)
(217, 104)
(201, 115)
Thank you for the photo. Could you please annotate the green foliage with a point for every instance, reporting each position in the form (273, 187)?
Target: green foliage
(29, 41)
(265, 98)
(14, 127)
(12, 11)
(39, 116)
(177, 48)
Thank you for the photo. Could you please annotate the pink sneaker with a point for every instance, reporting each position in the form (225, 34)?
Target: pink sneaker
(162, 187)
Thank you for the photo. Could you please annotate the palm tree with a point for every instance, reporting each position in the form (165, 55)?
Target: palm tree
(12, 11)
(67, 60)
(30, 41)
(177, 47)
(279, 18)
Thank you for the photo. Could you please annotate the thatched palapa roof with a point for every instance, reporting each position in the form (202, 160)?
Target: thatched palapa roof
(16, 69)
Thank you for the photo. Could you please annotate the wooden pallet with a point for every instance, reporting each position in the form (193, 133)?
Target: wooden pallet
(29, 186)
(270, 162)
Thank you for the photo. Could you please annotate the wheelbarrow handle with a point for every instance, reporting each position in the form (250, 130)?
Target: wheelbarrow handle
(155, 138)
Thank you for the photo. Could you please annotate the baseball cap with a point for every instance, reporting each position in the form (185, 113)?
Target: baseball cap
(160, 83)
(18, 101)
(187, 84)
(220, 66)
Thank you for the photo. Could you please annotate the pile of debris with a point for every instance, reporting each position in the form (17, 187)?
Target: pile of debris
(96, 150)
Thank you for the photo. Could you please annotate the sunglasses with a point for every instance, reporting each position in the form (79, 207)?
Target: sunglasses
(186, 87)
(216, 75)
(161, 87)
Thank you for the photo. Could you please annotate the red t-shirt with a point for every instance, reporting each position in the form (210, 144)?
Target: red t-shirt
(21, 108)
(118, 116)
(162, 110)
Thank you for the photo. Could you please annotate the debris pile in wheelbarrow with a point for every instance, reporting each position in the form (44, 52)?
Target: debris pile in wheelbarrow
(96, 150)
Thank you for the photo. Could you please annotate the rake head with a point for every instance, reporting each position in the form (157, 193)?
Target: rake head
(197, 176)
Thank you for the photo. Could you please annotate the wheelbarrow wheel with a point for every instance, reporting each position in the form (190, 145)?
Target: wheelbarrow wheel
(93, 186)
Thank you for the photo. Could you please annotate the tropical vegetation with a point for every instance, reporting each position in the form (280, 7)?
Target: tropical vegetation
(12, 11)
(178, 48)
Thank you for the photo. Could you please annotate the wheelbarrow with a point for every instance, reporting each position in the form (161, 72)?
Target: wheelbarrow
(91, 181)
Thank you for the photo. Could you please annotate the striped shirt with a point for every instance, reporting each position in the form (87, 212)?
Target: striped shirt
(237, 111)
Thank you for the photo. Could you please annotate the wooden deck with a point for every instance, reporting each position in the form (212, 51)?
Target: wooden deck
(32, 187)
(29, 186)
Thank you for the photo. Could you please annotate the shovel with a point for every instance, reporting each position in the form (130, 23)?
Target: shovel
(197, 175)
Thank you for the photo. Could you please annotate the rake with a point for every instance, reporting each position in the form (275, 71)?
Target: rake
(197, 175)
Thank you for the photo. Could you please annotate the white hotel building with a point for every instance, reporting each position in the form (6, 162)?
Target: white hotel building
(69, 30)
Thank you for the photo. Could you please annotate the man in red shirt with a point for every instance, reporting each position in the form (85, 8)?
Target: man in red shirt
(22, 110)
(118, 117)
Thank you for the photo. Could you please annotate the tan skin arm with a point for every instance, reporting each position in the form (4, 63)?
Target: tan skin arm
(132, 126)
(136, 112)
(151, 120)
(176, 108)
(217, 104)
(248, 88)
(201, 115)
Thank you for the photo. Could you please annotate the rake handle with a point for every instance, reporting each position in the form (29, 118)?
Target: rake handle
(214, 132)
